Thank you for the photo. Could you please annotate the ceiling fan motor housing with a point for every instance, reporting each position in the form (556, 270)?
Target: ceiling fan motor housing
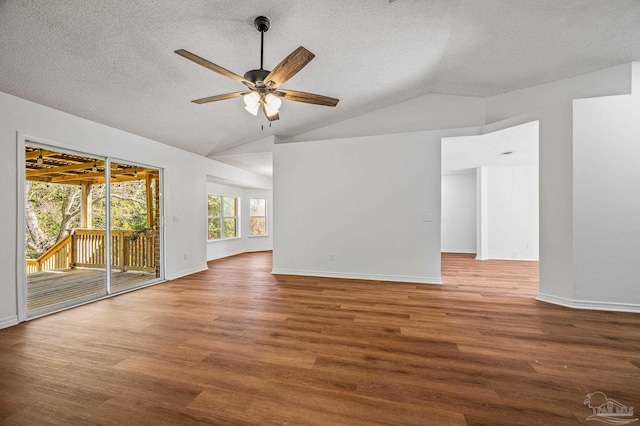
(256, 76)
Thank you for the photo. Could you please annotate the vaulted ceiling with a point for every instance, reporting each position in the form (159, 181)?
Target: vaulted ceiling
(112, 61)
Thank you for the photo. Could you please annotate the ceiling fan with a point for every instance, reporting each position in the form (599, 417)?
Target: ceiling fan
(263, 85)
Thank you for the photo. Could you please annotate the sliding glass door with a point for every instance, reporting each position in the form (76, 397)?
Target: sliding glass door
(92, 227)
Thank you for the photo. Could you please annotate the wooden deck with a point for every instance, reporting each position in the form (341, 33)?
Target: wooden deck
(53, 289)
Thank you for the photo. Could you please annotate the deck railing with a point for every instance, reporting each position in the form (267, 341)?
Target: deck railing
(86, 248)
(56, 258)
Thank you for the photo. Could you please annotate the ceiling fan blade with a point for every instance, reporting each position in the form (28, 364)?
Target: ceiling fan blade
(219, 97)
(273, 117)
(309, 98)
(289, 66)
(210, 65)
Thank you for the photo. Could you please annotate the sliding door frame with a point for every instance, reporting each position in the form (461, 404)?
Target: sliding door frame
(22, 140)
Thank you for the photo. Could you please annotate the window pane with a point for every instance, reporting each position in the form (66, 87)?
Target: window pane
(258, 226)
(257, 207)
(214, 229)
(229, 206)
(214, 202)
(229, 228)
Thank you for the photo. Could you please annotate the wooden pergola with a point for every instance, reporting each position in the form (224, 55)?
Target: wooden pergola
(62, 168)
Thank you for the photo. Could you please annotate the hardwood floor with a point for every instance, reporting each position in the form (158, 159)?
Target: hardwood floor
(235, 345)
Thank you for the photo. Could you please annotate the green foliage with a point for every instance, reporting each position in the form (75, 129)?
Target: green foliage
(214, 229)
(129, 206)
(214, 205)
(230, 228)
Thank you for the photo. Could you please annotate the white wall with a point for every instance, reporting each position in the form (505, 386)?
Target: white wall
(362, 200)
(184, 185)
(245, 243)
(610, 81)
(513, 212)
(459, 212)
(606, 224)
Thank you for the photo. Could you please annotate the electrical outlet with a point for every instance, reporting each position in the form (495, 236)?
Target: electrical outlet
(176, 219)
(330, 257)
(427, 218)
(186, 256)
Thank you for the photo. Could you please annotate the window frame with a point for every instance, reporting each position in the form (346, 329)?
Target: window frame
(222, 217)
(251, 216)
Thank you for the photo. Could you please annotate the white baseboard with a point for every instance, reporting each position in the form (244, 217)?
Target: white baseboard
(237, 252)
(587, 304)
(358, 276)
(226, 254)
(463, 251)
(519, 259)
(8, 321)
(255, 250)
(187, 272)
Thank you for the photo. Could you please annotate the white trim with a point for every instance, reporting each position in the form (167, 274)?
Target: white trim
(587, 304)
(515, 258)
(8, 321)
(217, 240)
(237, 252)
(187, 272)
(359, 276)
(21, 266)
(464, 251)
(228, 254)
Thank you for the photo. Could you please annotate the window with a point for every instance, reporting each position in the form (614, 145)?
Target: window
(222, 217)
(258, 216)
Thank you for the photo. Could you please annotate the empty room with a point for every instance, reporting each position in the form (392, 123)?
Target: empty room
(278, 212)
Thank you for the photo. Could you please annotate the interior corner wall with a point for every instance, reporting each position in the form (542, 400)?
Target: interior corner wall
(607, 203)
(513, 212)
(555, 196)
(184, 185)
(459, 213)
(245, 243)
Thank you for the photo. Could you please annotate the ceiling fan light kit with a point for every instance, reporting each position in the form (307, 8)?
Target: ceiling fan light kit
(263, 85)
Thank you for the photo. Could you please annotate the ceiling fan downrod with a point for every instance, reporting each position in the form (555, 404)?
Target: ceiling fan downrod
(262, 24)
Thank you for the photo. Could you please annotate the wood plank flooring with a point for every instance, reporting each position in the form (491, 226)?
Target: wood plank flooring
(235, 345)
(46, 289)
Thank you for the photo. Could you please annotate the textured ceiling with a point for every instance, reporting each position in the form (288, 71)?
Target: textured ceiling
(112, 61)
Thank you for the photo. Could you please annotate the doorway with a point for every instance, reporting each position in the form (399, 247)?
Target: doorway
(92, 227)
